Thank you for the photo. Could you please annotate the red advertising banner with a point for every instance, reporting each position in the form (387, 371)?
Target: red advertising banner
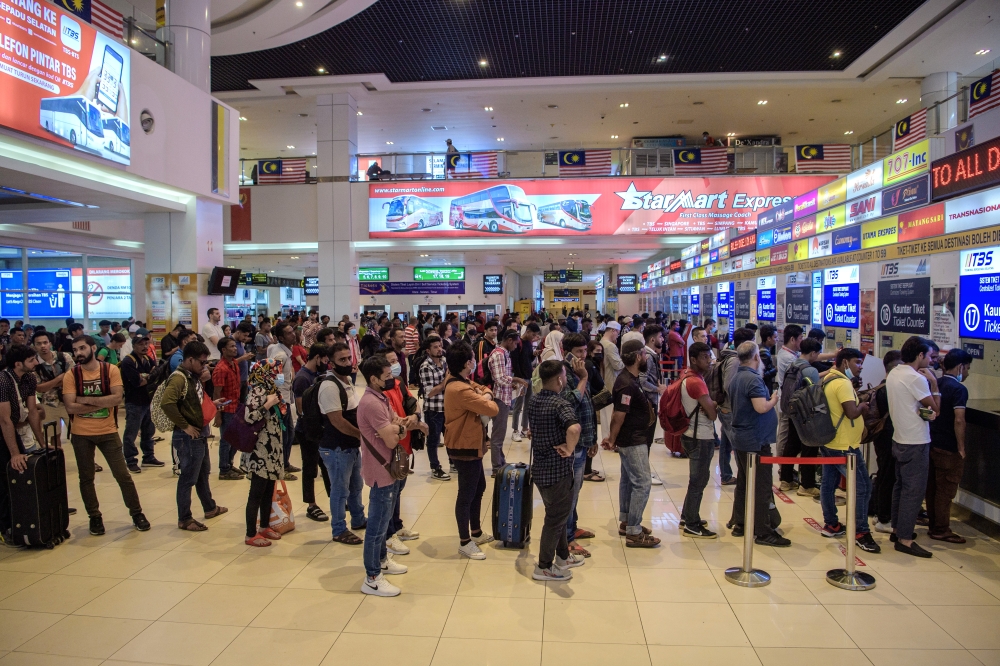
(567, 207)
(64, 81)
(921, 223)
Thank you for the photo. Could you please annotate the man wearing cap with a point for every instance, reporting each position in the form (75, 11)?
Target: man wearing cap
(134, 369)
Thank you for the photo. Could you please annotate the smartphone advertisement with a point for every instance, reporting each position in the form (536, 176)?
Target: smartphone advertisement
(578, 207)
(65, 81)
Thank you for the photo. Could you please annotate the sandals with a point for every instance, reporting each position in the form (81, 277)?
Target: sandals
(217, 511)
(316, 513)
(577, 549)
(950, 537)
(348, 537)
(583, 534)
(191, 525)
(642, 540)
(258, 540)
(268, 533)
(621, 529)
(593, 476)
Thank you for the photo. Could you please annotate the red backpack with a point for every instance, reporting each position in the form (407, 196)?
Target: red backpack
(673, 418)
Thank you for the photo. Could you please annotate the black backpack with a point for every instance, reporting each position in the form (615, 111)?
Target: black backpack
(791, 383)
(414, 378)
(717, 377)
(312, 419)
(809, 411)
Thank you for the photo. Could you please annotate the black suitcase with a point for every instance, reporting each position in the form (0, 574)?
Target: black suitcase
(39, 504)
(512, 505)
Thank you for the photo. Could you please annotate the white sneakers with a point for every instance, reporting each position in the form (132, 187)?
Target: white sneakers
(483, 538)
(516, 436)
(392, 567)
(552, 573)
(883, 527)
(655, 480)
(573, 561)
(471, 550)
(407, 535)
(396, 547)
(379, 587)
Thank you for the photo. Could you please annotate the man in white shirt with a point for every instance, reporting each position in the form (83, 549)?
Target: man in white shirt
(914, 401)
(613, 365)
(282, 351)
(212, 332)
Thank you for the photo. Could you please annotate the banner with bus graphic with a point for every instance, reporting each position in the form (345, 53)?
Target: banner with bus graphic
(596, 207)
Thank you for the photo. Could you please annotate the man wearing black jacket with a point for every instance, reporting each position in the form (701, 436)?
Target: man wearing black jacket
(521, 360)
(134, 368)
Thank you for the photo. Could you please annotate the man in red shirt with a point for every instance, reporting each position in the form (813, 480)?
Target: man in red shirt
(675, 345)
(226, 383)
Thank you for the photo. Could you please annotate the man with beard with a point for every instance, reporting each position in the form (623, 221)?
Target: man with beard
(92, 391)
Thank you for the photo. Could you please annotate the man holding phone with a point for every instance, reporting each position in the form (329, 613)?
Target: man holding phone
(226, 386)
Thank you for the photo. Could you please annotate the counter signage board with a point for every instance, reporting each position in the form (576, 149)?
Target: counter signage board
(431, 274)
(741, 304)
(832, 194)
(904, 305)
(804, 228)
(971, 169)
(763, 258)
(866, 208)
(921, 223)
(694, 302)
(765, 239)
(805, 204)
(979, 294)
(879, 232)
(864, 181)
(911, 194)
(972, 211)
(906, 164)
(841, 296)
(767, 289)
(821, 246)
(779, 255)
(722, 298)
(782, 235)
(798, 305)
(833, 218)
(846, 240)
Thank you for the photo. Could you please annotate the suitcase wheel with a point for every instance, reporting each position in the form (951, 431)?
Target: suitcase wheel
(66, 534)
(50, 545)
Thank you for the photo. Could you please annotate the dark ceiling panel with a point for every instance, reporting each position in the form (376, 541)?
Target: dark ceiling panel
(437, 40)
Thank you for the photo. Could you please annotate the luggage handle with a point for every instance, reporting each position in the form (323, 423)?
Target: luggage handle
(55, 441)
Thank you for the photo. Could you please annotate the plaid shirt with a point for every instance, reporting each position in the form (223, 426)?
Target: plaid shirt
(430, 376)
(549, 416)
(309, 331)
(227, 377)
(500, 368)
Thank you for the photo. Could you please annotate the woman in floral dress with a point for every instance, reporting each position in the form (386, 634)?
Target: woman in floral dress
(264, 464)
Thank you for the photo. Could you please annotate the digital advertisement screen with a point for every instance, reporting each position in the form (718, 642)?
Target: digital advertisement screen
(311, 286)
(627, 284)
(568, 207)
(373, 273)
(435, 274)
(63, 81)
(970, 169)
(841, 294)
(493, 284)
(979, 294)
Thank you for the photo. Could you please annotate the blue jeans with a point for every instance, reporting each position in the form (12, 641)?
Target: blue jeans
(380, 501)
(288, 436)
(725, 448)
(343, 466)
(435, 426)
(395, 523)
(633, 489)
(699, 453)
(579, 462)
(195, 464)
(226, 452)
(831, 479)
(521, 407)
(138, 422)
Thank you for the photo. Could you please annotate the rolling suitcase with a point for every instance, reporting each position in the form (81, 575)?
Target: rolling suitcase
(512, 505)
(39, 504)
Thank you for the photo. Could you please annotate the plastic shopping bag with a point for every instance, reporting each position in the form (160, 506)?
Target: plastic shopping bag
(282, 519)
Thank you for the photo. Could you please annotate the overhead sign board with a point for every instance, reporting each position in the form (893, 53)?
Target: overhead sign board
(906, 163)
(832, 194)
(492, 284)
(311, 286)
(971, 169)
(921, 223)
(973, 211)
(627, 283)
(373, 273)
(864, 181)
(904, 299)
(906, 196)
(868, 207)
(435, 273)
(798, 305)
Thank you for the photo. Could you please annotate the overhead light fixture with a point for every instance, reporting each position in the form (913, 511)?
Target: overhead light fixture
(272, 271)
(662, 57)
(836, 54)
(243, 118)
(360, 114)
(731, 134)
(499, 138)
(761, 102)
(135, 41)
(982, 51)
(388, 143)
(623, 105)
(299, 3)
(483, 63)
(293, 257)
(901, 100)
(425, 256)
(290, 147)
(230, 266)
(849, 132)
(487, 108)
(572, 254)
(321, 70)
(614, 136)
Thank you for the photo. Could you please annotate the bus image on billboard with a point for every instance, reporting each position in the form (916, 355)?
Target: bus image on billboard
(566, 214)
(409, 212)
(504, 208)
(75, 119)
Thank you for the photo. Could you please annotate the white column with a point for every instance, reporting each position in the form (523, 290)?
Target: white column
(936, 88)
(189, 32)
(336, 160)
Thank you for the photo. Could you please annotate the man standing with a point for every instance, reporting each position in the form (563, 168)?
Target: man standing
(281, 350)
(730, 363)
(627, 436)
(316, 364)
(521, 362)
(433, 374)
(243, 335)
(411, 342)
(397, 342)
(577, 393)
(181, 402)
(675, 346)
(699, 438)
(212, 332)
(504, 383)
(134, 369)
(914, 400)
(17, 409)
(170, 341)
(947, 458)
(263, 339)
(105, 332)
(52, 365)
(787, 355)
(483, 347)
(92, 392)
(310, 328)
(226, 388)
(613, 366)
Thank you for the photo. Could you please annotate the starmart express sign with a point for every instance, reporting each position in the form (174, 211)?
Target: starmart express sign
(616, 206)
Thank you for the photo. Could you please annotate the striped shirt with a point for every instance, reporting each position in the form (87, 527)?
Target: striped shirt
(411, 338)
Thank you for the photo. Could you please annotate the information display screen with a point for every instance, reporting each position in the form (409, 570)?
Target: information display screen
(550, 276)
(434, 274)
(373, 273)
(627, 284)
(312, 286)
(493, 284)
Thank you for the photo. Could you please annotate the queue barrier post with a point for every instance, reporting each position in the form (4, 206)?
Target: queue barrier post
(847, 578)
(746, 575)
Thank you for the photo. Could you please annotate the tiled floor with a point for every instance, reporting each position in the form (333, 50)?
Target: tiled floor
(172, 597)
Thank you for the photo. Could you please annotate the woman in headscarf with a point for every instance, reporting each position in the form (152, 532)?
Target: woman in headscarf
(264, 464)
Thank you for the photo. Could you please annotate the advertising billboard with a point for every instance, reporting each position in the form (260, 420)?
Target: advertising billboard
(568, 207)
(911, 194)
(979, 294)
(63, 81)
(867, 208)
(832, 194)
(921, 223)
(879, 232)
(863, 181)
(972, 211)
(906, 164)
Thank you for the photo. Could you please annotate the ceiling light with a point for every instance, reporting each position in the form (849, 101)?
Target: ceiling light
(662, 57)
(901, 100)
(299, 3)
(836, 54)
(293, 257)
(731, 134)
(623, 105)
(425, 255)
(761, 102)
(614, 136)
(243, 117)
(849, 132)
(388, 143)
(483, 63)
(290, 147)
(982, 51)
(499, 138)
(360, 114)
(321, 70)
(487, 108)
(230, 266)
(572, 254)
(135, 41)
(272, 271)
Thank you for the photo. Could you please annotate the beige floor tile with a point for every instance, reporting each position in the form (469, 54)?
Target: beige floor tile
(179, 643)
(971, 556)
(511, 580)
(691, 655)
(185, 567)
(668, 555)
(297, 648)
(678, 585)
(58, 594)
(891, 560)
(815, 556)
(258, 568)
(988, 580)
(431, 577)
(777, 656)
(785, 588)
(235, 605)
(605, 552)
(939, 588)
(595, 584)
(887, 657)
(593, 654)
(405, 615)
(429, 548)
(514, 618)
(330, 574)
(48, 561)
(14, 581)
(975, 628)
(80, 636)
(20, 626)
(34, 659)
(828, 595)
(728, 552)
(405, 650)
(667, 623)
(138, 599)
(987, 657)
(163, 535)
(882, 626)
(488, 652)
(112, 563)
(571, 621)
(309, 610)
(791, 625)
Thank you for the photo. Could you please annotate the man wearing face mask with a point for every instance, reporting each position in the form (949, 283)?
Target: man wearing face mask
(281, 351)
(947, 460)
(316, 365)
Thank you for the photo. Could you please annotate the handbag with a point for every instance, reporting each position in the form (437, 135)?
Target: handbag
(241, 435)
(603, 399)
(208, 408)
(398, 465)
(282, 518)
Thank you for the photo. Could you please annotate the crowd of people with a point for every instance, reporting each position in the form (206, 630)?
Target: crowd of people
(569, 382)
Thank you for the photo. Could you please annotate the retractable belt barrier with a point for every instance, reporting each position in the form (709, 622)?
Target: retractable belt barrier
(846, 578)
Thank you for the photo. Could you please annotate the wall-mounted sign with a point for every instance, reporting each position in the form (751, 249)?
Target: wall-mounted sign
(676, 266)
(782, 234)
(373, 273)
(846, 240)
(722, 298)
(48, 292)
(841, 295)
(906, 164)
(821, 246)
(741, 244)
(904, 300)
(833, 218)
(741, 304)
(864, 181)
(879, 232)
(804, 228)
(767, 290)
(972, 169)
(311, 286)
(765, 239)
(973, 211)
(921, 223)
(798, 305)
(804, 205)
(868, 207)
(979, 294)
(411, 288)
(432, 274)
(832, 194)
(779, 255)
(909, 195)
(493, 284)
(627, 283)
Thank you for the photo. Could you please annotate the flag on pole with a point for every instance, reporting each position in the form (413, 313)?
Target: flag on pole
(984, 94)
(270, 172)
(909, 130)
(575, 163)
(830, 157)
(696, 161)
(107, 19)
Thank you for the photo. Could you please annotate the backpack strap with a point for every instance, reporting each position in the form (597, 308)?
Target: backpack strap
(78, 378)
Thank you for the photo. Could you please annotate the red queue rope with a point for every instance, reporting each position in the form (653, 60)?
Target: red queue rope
(776, 460)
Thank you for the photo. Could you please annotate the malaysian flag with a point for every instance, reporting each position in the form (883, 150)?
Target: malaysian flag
(584, 163)
(984, 94)
(695, 161)
(480, 165)
(909, 130)
(830, 157)
(107, 19)
(270, 172)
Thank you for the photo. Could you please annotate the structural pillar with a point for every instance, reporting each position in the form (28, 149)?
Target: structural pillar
(936, 88)
(336, 159)
(188, 29)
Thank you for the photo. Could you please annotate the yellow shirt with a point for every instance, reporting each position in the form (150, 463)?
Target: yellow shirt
(102, 420)
(839, 389)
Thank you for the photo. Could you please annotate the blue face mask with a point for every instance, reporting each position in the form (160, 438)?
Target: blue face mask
(280, 379)
(848, 373)
(396, 368)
